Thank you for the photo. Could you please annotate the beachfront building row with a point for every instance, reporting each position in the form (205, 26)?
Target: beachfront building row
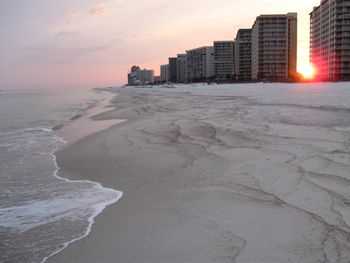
(196, 65)
(330, 39)
(175, 71)
(266, 52)
(203, 63)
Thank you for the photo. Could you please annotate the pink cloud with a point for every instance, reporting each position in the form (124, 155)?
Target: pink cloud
(74, 13)
(99, 10)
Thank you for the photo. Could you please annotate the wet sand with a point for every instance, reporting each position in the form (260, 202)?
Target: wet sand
(216, 177)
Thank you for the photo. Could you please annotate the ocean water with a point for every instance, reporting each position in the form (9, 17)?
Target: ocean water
(41, 213)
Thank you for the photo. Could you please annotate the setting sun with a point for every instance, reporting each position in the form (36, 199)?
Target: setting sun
(307, 70)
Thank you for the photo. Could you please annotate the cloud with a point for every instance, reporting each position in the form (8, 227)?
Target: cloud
(67, 34)
(100, 9)
(74, 13)
(117, 40)
(143, 36)
(118, 1)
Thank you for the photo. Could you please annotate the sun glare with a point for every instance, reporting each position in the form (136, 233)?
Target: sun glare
(307, 70)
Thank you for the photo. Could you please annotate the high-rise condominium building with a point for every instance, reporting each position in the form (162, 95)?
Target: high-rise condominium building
(330, 39)
(181, 68)
(200, 64)
(146, 76)
(132, 76)
(243, 55)
(172, 69)
(164, 73)
(274, 47)
(140, 77)
(223, 60)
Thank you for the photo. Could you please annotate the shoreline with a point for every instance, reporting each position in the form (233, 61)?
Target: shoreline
(71, 133)
(235, 181)
(86, 124)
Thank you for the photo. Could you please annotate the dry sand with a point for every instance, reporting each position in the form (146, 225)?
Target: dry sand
(215, 178)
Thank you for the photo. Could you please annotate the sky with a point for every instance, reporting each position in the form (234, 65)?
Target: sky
(93, 43)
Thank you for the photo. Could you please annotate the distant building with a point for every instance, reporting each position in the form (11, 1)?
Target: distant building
(274, 47)
(200, 64)
(223, 60)
(243, 55)
(146, 76)
(172, 69)
(164, 73)
(330, 39)
(140, 77)
(135, 68)
(132, 76)
(181, 68)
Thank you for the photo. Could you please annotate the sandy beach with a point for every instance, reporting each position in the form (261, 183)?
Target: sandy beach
(229, 173)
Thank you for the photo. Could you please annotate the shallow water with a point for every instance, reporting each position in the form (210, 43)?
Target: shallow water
(40, 213)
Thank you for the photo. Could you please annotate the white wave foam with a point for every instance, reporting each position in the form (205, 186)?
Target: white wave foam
(24, 130)
(97, 209)
(91, 221)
